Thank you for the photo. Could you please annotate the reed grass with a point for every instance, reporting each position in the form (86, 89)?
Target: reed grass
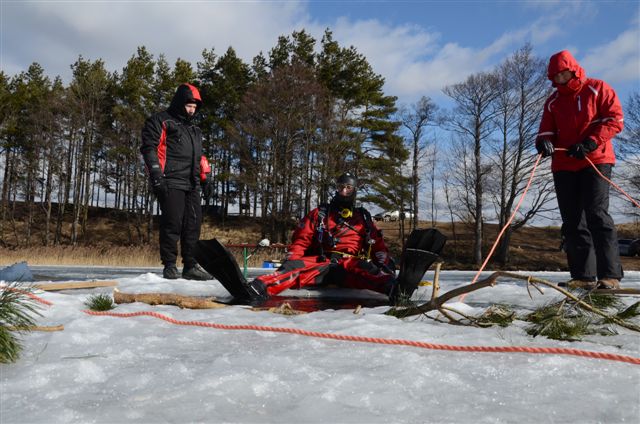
(83, 255)
(138, 256)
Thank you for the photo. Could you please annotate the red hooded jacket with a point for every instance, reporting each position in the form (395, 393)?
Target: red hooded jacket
(583, 108)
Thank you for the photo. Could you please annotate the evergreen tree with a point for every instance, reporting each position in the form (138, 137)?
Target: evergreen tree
(223, 85)
(88, 97)
(135, 102)
(31, 91)
(367, 132)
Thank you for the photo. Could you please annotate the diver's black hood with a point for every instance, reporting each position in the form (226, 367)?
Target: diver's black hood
(186, 93)
(345, 202)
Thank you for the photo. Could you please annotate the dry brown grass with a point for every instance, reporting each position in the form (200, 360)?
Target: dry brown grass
(107, 255)
(532, 248)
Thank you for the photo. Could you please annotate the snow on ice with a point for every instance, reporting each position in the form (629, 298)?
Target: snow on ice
(104, 369)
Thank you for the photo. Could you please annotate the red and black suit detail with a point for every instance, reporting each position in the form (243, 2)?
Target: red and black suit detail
(172, 144)
(172, 149)
(329, 249)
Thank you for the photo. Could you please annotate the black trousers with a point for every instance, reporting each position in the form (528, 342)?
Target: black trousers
(590, 235)
(180, 220)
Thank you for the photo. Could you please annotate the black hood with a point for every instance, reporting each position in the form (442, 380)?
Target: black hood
(186, 93)
(341, 201)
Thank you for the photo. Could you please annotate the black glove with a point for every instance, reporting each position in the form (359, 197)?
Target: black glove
(207, 189)
(545, 148)
(159, 187)
(580, 150)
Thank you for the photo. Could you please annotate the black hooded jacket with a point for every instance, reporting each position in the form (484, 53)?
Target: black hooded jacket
(172, 145)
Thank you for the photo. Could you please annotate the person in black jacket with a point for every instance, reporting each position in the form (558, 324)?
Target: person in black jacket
(172, 152)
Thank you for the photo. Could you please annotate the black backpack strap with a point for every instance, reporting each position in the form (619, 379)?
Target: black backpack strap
(368, 221)
(323, 210)
(368, 226)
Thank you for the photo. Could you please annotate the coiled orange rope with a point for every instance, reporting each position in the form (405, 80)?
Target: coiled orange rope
(400, 342)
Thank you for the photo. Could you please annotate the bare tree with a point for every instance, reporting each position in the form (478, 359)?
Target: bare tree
(415, 119)
(432, 176)
(629, 152)
(472, 119)
(521, 95)
(452, 215)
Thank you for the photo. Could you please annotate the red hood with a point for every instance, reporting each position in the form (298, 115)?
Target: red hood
(562, 61)
(186, 93)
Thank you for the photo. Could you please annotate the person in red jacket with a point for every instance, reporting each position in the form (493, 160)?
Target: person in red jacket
(172, 152)
(578, 122)
(336, 243)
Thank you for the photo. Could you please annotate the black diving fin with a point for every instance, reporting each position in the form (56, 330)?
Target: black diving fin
(421, 251)
(219, 262)
(426, 239)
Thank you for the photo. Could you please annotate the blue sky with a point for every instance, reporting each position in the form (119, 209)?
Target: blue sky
(418, 46)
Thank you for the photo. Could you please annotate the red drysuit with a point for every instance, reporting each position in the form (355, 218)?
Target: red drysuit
(329, 249)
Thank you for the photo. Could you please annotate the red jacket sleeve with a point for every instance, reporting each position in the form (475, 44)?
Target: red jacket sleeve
(609, 120)
(548, 130)
(379, 250)
(303, 236)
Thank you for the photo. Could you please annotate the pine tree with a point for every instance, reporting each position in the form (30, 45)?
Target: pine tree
(368, 132)
(224, 81)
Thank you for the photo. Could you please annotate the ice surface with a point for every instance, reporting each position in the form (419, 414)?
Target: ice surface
(145, 370)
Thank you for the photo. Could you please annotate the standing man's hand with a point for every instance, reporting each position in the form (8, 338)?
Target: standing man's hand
(545, 148)
(159, 188)
(580, 150)
(207, 188)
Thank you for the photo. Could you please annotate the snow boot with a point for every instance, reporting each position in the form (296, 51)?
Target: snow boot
(170, 272)
(577, 283)
(608, 283)
(195, 272)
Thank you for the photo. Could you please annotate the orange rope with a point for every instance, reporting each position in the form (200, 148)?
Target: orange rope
(28, 294)
(343, 337)
(495, 244)
(608, 180)
(400, 342)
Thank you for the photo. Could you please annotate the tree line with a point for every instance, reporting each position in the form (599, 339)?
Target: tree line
(278, 131)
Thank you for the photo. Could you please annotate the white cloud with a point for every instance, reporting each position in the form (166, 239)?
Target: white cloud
(616, 61)
(413, 60)
(55, 33)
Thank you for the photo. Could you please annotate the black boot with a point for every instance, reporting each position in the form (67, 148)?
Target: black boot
(170, 271)
(257, 291)
(195, 272)
(393, 292)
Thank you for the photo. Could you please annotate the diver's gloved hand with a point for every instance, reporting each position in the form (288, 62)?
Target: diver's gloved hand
(381, 257)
